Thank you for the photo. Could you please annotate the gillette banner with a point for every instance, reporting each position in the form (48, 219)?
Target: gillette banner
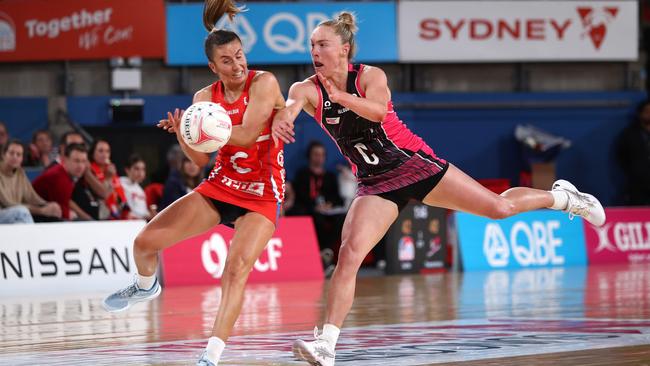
(625, 237)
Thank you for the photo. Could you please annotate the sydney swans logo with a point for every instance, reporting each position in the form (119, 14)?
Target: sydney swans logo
(7, 33)
(595, 22)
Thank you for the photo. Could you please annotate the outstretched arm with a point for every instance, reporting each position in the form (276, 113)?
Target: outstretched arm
(374, 106)
(265, 96)
(297, 100)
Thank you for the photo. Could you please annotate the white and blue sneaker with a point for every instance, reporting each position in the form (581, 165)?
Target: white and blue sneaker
(203, 361)
(132, 294)
(318, 353)
(581, 204)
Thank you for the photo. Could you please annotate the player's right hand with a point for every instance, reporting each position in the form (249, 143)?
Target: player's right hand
(282, 129)
(172, 122)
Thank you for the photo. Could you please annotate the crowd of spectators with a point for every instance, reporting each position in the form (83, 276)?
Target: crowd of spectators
(76, 181)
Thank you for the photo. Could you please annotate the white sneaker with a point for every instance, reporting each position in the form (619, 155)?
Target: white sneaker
(203, 361)
(318, 353)
(581, 204)
(132, 294)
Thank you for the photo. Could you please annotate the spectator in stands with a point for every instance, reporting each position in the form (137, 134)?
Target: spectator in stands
(89, 191)
(89, 179)
(180, 183)
(40, 150)
(105, 171)
(634, 156)
(136, 200)
(289, 200)
(154, 190)
(317, 194)
(4, 134)
(19, 203)
(316, 189)
(57, 183)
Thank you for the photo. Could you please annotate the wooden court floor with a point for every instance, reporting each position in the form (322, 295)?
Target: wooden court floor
(556, 316)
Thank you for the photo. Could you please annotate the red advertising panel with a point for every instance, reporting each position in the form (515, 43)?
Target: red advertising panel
(625, 237)
(39, 30)
(292, 254)
(618, 291)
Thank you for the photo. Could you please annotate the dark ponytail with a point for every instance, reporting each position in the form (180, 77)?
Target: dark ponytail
(213, 10)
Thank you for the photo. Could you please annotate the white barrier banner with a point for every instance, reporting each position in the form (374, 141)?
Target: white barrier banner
(41, 259)
(479, 31)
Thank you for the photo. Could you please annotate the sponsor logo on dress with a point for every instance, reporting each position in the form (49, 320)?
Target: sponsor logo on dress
(254, 188)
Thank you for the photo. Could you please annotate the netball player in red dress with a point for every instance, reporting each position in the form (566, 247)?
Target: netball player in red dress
(245, 189)
(352, 103)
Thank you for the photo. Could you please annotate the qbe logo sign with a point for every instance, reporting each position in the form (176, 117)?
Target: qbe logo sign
(527, 244)
(534, 239)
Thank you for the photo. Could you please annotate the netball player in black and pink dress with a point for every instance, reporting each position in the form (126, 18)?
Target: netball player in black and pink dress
(352, 103)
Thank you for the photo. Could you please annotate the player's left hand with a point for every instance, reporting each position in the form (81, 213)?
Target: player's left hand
(335, 94)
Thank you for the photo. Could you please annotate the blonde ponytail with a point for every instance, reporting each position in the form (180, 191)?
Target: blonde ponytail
(344, 26)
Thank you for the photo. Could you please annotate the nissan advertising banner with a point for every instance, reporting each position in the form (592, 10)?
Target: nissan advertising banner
(291, 254)
(279, 32)
(71, 257)
(625, 237)
(480, 31)
(40, 30)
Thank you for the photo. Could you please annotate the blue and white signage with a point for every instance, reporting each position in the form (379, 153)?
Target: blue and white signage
(278, 33)
(541, 238)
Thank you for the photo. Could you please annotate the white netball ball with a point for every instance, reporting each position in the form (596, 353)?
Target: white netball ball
(206, 126)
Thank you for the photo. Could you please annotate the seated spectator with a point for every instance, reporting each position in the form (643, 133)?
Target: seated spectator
(89, 180)
(89, 191)
(634, 157)
(317, 194)
(154, 191)
(174, 158)
(4, 134)
(136, 200)
(289, 200)
(105, 171)
(316, 189)
(57, 183)
(180, 183)
(19, 203)
(40, 150)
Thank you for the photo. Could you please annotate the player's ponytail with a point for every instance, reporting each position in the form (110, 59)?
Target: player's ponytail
(213, 10)
(346, 27)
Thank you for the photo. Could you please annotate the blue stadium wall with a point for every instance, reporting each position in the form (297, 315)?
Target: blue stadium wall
(473, 131)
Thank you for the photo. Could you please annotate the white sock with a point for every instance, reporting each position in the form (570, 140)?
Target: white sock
(331, 333)
(560, 200)
(146, 282)
(214, 349)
